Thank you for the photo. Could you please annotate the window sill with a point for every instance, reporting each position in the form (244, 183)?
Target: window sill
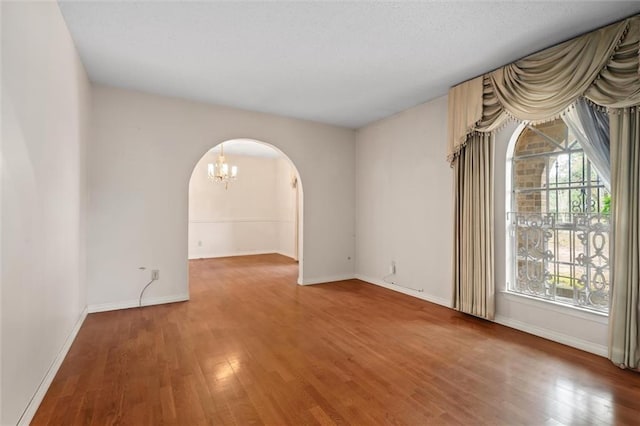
(549, 305)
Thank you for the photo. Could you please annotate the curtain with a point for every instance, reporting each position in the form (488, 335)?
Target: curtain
(617, 85)
(602, 66)
(474, 286)
(546, 83)
(465, 108)
(591, 128)
(624, 349)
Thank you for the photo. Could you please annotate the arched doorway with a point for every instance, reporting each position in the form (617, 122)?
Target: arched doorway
(257, 212)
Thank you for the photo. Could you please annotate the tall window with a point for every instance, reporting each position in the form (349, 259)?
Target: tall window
(559, 223)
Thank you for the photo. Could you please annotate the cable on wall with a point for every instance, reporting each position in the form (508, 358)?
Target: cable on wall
(142, 292)
(386, 280)
(155, 276)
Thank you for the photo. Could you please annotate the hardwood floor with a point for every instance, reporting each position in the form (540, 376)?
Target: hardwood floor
(252, 347)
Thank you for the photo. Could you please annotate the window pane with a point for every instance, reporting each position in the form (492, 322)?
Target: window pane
(560, 223)
(561, 168)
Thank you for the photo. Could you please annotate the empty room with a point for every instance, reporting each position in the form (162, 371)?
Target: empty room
(320, 213)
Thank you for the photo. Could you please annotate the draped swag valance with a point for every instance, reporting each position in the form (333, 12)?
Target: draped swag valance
(602, 66)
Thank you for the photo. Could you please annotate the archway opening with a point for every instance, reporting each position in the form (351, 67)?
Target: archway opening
(258, 213)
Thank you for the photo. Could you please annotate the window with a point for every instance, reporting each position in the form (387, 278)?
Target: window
(559, 220)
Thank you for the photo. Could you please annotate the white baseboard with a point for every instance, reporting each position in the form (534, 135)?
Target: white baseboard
(230, 254)
(324, 280)
(243, 253)
(38, 396)
(411, 292)
(554, 336)
(126, 304)
(289, 255)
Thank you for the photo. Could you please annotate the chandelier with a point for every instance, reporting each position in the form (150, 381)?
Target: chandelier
(221, 171)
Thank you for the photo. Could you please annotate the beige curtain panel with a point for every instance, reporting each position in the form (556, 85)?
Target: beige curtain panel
(474, 290)
(624, 348)
(603, 67)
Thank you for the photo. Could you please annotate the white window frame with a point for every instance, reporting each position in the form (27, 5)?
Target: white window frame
(510, 201)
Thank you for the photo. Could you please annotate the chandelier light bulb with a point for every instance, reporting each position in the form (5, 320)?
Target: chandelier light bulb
(219, 172)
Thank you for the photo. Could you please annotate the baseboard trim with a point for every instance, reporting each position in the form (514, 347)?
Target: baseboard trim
(289, 255)
(410, 292)
(324, 280)
(244, 253)
(554, 336)
(38, 396)
(127, 304)
(232, 254)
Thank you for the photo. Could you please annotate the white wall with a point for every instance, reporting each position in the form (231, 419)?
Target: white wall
(286, 203)
(45, 101)
(252, 216)
(404, 202)
(143, 149)
(582, 329)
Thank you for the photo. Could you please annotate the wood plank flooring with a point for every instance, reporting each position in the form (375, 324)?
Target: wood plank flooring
(252, 347)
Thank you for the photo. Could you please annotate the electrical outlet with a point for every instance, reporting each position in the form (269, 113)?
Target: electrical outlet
(199, 243)
(155, 274)
(392, 267)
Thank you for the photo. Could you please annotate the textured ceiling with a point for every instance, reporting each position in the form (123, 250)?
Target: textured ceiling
(335, 62)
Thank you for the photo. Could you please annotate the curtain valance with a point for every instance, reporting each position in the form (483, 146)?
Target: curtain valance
(603, 66)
